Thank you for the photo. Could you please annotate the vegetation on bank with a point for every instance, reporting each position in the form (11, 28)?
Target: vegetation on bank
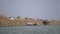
(10, 21)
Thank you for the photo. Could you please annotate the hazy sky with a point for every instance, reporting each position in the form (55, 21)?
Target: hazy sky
(43, 9)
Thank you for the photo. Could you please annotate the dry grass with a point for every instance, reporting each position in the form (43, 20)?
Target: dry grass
(5, 21)
(54, 22)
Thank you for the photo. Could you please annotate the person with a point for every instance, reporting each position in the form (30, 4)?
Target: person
(44, 22)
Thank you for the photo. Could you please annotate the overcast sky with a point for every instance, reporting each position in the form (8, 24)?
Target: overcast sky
(43, 9)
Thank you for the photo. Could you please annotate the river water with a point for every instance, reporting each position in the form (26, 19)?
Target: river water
(43, 29)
